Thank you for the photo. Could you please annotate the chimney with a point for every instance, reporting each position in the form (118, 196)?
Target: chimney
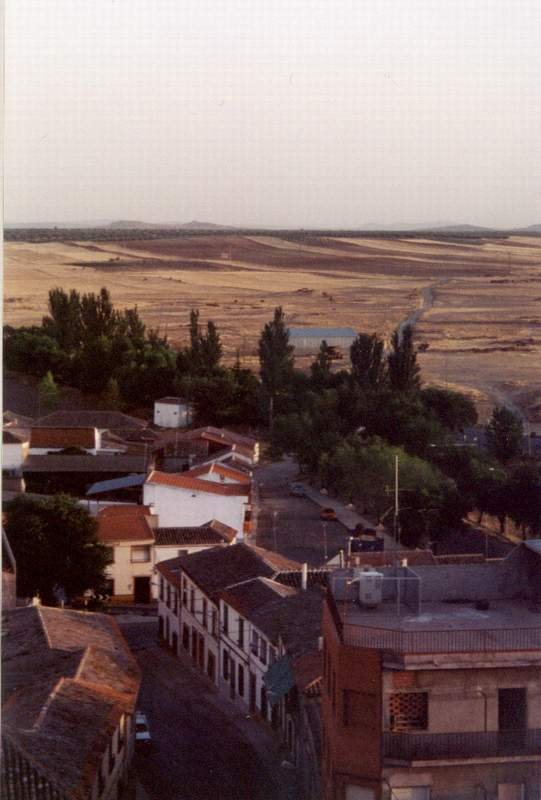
(341, 559)
(304, 576)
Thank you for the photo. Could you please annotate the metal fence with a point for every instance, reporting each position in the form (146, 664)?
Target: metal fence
(445, 641)
(483, 744)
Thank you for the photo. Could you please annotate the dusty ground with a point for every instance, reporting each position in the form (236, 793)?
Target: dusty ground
(477, 302)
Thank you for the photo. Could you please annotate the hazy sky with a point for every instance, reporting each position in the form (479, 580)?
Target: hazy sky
(274, 112)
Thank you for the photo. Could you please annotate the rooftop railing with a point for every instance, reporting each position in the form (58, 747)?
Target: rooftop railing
(484, 744)
(455, 640)
(443, 641)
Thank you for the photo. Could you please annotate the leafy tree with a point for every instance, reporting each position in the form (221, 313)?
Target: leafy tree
(48, 392)
(320, 370)
(404, 371)
(98, 317)
(64, 322)
(524, 491)
(33, 352)
(210, 349)
(504, 434)
(110, 398)
(275, 358)
(368, 366)
(55, 545)
(453, 410)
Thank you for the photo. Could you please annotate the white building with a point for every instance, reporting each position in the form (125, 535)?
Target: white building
(137, 543)
(192, 498)
(189, 603)
(307, 341)
(172, 412)
(14, 452)
(235, 613)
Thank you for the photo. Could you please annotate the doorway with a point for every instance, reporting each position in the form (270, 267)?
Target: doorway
(512, 710)
(141, 590)
(252, 692)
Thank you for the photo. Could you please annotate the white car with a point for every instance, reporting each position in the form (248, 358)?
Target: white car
(143, 739)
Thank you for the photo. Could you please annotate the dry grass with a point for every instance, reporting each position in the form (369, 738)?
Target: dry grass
(483, 332)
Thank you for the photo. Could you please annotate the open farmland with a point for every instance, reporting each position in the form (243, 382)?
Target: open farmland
(476, 302)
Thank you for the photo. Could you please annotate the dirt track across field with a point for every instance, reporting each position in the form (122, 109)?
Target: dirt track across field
(476, 303)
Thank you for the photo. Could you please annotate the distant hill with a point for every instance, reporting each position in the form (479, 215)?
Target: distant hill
(529, 229)
(130, 224)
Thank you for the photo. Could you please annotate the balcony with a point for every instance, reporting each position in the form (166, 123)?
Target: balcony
(410, 747)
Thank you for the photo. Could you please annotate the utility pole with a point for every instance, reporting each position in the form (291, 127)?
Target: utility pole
(274, 518)
(324, 524)
(396, 507)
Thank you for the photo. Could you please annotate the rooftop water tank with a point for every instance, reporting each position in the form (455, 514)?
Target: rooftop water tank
(370, 587)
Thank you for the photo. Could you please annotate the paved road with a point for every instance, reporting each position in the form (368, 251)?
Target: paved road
(203, 747)
(299, 530)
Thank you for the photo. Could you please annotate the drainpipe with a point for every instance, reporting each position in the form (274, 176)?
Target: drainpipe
(304, 577)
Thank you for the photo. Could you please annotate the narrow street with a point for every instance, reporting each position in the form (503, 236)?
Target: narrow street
(203, 747)
(291, 525)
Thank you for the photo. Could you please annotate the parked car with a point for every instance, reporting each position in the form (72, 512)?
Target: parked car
(297, 490)
(327, 514)
(143, 740)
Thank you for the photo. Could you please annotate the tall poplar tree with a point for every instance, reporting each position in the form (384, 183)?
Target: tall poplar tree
(275, 358)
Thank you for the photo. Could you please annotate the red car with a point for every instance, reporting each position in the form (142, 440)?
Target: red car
(327, 514)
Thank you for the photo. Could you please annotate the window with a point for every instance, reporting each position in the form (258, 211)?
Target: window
(272, 655)
(408, 711)
(511, 791)
(184, 592)
(226, 620)
(241, 681)
(205, 612)
(182, 553)
(214, 623)
(175, 602)
(168, 596)
(161, 587)
(225, 665)
(185, 637)
(361, 710)
(110, 554)
(359, 793)
(192, 600)
(263, 655)
(512, 709)
(140, 554)
(254, 646)
(412, 793)
(241, 633)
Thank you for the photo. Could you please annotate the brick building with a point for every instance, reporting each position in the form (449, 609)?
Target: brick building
(432, 681)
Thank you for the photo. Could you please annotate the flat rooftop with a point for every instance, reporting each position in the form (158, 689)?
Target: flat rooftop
(444, 608)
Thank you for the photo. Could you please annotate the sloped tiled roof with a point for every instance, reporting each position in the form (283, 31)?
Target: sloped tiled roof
(81, 418)
(220, 435)
(218, 568)
(222, 470)
(184, 480)
(195, 535)
(124, 524)
(9, 437)
(245, 597)
(62, 437)
(68, 676)
(117, 464)
(296, 619)
(308, 669)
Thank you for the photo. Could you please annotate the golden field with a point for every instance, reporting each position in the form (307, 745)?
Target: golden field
(480, 299)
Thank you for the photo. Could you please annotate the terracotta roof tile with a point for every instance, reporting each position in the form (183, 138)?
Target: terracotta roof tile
(183, 480)
(222, 470)
(217, 568)
(124, 524)
(68, 676)
(203, 534)
(62, 437)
